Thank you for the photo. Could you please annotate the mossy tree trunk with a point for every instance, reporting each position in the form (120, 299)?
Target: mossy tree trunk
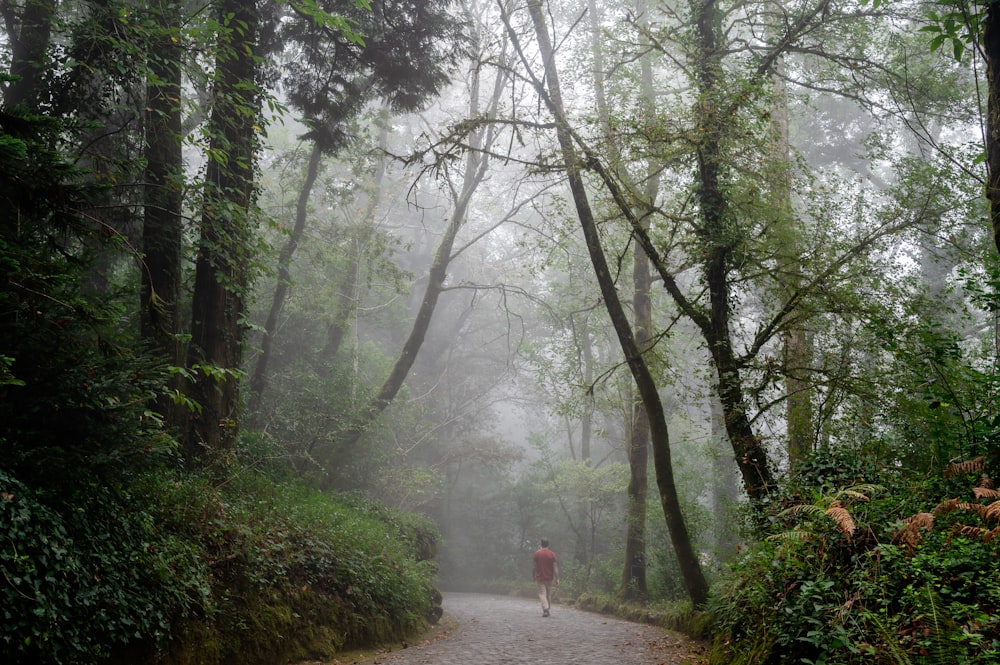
(223, 267)
(991, 49)
(163, 193)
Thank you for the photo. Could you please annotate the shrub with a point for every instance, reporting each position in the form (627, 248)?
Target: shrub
(83, 577)
(856, 576)
(323, 572)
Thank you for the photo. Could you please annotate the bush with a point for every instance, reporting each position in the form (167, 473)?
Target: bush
(325, 573)
(181, 571)
(857, 576)
(83, 578)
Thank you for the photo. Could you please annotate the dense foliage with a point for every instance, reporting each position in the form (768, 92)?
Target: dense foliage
(429, 329)
(856, 572)
(179, 570)
(110, 552)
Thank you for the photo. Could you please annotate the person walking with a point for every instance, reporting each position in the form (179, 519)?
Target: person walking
(546, 574)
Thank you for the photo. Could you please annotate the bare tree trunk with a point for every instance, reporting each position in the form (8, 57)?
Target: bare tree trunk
(634, 581)
(259, 379)
(587, 419)
(634, 585)
(583, 553)
(347, 302)
(475, 172)
(222, 271)
(549, 91)
(725, 490)
(347, 298)
(408, 354)
(796, 340)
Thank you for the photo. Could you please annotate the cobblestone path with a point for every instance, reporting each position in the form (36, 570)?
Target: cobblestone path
(498, 630)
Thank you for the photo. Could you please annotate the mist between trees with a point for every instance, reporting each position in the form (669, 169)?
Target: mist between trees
(683, 286)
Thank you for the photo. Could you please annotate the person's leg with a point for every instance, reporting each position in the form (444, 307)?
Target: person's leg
(543, 595)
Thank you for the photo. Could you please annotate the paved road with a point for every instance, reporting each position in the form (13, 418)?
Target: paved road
(499, 630)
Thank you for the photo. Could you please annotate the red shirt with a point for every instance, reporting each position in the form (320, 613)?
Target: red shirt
(545, 565)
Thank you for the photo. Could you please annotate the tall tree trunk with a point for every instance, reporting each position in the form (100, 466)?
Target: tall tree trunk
(347, 298)
(991, 50)
(28, 34)
(346, 280)
(725, 489)
(583, 553)
(634, 581)
(223, 267)
(796, 340)
(476, 168)
(549, 91)
(719, 232)
(259, 378)
(634, 573)
(408, 354)
(587, 417)
(347, 305)
(162, 230)
(633, 585)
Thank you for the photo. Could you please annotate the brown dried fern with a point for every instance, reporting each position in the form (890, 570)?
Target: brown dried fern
(971, 531)
(842, 518)
(909, 535)
(947, 506)
(977, 508)
(963, 468)
(985, 493)
(992, 512)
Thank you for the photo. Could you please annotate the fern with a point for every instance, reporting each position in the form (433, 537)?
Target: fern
(943, 650)
(976, 465)
(792, 536)
(982, 492)
(890, 644)
(842, 518)
(909, 536)
(834, 507)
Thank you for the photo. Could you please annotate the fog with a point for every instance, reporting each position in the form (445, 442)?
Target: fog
(844, 189)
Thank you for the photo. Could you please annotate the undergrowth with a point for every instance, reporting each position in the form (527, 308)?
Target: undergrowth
(178, 570)
(868, 574)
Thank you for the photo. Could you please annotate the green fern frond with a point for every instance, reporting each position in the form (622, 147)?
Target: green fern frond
(793, 536)
(890, 644)
(862, 491)
(808, 508)
(942, 648)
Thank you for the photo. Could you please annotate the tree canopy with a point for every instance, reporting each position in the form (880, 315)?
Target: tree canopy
(472, 273)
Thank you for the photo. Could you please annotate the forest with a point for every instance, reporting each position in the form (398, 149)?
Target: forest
(311, 309)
